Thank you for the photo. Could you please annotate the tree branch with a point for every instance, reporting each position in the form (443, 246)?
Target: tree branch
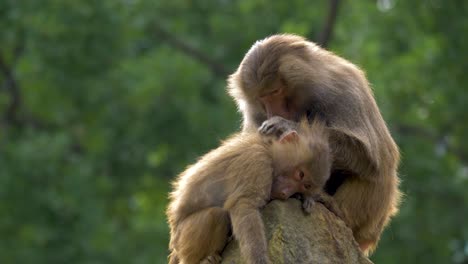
(11, 85)
(216, 67)
(324, 35)
(18, 51)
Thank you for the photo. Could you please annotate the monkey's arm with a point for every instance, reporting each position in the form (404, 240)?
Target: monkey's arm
(248, 229)
(350, 151)
(252, 186)
(351, 154)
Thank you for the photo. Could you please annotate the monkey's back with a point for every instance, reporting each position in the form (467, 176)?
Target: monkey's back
(218, 174)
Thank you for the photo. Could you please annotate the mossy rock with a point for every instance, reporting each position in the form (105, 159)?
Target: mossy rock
(294, 237)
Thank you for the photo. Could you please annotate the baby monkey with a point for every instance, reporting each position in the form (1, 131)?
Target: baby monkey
(230, 184)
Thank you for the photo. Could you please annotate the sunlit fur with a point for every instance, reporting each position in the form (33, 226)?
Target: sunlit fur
(318, 82)
(313, 151)
(229, 185)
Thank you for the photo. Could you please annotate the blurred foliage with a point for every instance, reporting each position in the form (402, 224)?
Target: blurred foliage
(102, 104)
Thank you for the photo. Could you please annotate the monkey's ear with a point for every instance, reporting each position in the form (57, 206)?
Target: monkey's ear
(289, 137)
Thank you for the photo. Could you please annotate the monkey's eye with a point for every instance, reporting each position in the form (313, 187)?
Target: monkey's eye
(275, 92)
(301, 175)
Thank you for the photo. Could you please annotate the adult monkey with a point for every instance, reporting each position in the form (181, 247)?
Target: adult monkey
(285, 77)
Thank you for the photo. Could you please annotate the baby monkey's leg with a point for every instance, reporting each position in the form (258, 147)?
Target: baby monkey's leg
(203, 236)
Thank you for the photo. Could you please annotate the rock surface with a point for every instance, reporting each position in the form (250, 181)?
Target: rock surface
(294, 237)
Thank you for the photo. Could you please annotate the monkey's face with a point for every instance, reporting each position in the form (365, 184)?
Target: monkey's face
(274, 101)
(291, 182)
(281, 99)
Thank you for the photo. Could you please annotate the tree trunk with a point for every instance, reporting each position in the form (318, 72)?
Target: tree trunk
(294, 237)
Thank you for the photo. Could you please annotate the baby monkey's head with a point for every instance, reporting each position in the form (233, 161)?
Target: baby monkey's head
(302, 160)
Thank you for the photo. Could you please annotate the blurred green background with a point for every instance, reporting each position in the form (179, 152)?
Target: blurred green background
(103, 102)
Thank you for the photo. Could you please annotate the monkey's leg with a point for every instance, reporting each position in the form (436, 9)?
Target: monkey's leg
(201, 235)
(367, 207)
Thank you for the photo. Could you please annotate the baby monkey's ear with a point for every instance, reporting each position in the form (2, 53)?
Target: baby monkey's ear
(289, 137)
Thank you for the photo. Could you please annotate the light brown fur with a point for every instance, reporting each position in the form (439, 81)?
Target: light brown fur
(287, 75)
(230, 184)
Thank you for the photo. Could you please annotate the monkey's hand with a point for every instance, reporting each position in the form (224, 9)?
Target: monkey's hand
(307, 204)
(328, 202)
(276, 126)
(212, 259)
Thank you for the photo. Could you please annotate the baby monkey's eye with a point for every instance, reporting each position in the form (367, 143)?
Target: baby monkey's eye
(301, 174)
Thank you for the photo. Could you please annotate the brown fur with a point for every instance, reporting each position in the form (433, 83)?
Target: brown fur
(230, 184)
(317, 82)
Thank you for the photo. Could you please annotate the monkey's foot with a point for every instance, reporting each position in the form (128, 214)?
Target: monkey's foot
(212, 259)
(329, 203)
(276, 126)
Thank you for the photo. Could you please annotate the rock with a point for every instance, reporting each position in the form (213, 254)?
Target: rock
(294, 237)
